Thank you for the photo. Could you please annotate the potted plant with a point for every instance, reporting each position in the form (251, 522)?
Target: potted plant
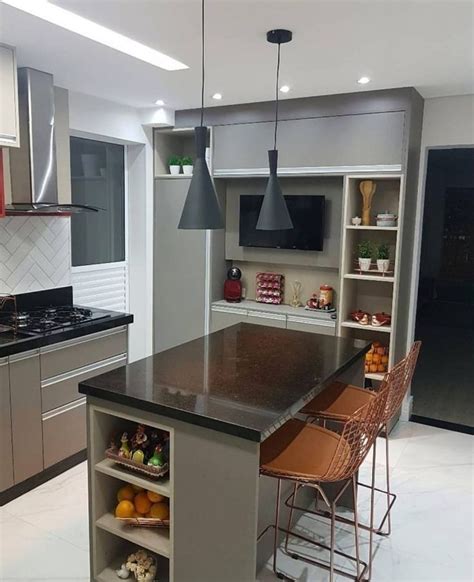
(187, 164)
(365, 252)
(174, 164)
(383, 253)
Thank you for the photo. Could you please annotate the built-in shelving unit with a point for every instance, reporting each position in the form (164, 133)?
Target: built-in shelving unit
(372, 292)
(112, 540)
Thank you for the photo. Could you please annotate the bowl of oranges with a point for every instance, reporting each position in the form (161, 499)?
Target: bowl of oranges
(139, 507)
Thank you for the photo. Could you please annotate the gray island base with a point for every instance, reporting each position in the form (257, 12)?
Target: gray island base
(218, 397)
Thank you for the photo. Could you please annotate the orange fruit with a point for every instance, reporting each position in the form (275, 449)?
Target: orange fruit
(155, 497)
(142, 503)
(125, 492)
(137, 488)
(160, 511)
(125, 508)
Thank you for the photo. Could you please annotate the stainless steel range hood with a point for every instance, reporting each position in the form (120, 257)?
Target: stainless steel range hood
(33, 165)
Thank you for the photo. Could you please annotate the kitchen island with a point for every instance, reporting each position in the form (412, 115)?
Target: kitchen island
(218, 398)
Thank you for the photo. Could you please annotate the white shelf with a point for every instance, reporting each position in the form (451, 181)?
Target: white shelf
(172, 177)
(108, 467)
(156, 540)
(378, 377)
(389, 228)
(369, 277)
(355, 325)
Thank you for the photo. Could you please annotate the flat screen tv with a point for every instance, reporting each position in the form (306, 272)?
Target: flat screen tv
(307, 214)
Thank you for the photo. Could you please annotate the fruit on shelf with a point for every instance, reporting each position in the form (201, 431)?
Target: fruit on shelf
(155, 497)
(142, 503)
(376, 359)
(125, 508)
(125, 492)
(159, 511)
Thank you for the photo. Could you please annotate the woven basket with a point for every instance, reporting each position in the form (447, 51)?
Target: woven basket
(144, 521)
(149, 470)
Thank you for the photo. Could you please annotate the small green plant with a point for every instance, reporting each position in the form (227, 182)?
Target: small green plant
(187, 161)
(365, 249)
(383, 251)
(174, 161)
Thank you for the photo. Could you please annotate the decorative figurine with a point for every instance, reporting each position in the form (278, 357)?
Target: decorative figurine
(124, 450)
(138, 456)
(367, 189)
(140, 438)
(295, 302)
(313, 302)
(233, 285)
(157, 460)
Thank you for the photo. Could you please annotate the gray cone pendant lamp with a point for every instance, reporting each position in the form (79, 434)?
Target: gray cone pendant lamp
(274, 213)
(201, 209)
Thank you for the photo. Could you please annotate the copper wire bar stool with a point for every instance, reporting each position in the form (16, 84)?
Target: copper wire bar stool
(309, 455)
(339, 401)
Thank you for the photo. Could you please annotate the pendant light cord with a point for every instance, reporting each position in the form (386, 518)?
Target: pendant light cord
(276, 98)
(202, 63)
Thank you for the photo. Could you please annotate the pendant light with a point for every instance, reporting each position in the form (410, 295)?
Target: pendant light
(201, 209)
(274, 213)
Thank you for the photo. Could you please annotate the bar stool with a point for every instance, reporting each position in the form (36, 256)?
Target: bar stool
(309, 455)
(339, 401)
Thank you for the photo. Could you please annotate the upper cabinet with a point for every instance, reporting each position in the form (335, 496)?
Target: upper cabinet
(9, 126)
(345, 143)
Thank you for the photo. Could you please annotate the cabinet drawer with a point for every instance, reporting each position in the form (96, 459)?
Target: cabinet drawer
(263, 318)
(63, 389)
(223, 319)
(64, 432)
(310, 325)
(76, 353)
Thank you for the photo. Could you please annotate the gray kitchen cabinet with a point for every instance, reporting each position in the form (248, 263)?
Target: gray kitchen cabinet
(334, 143)
(265, 318)
(222, 318)
(179, 270)
(6, 454)
(310, 325)
(25, 397)
(9, 125)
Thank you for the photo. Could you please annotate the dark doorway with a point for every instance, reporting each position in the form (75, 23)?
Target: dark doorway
(443, 387)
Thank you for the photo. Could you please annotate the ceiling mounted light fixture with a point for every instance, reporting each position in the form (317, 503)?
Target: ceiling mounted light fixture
(159, 102)
(274, 213)
(217, 96)
(201, 209)
(363, 80)
(284, 89)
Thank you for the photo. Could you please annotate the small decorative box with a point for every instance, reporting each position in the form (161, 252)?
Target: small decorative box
(270, 288)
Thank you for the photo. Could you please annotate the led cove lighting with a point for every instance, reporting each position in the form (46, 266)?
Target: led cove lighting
(93, 31)
(284, 88)
(363, 80)
(159, 102)
(217, 96)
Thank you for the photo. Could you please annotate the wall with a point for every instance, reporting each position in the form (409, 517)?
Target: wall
(35, 253)
(447, 121)
(100, 119)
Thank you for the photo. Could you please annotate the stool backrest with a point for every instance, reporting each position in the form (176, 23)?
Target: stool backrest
(399, 379)
(358, 435)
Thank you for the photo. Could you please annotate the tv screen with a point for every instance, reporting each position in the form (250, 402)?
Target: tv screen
(307, 214)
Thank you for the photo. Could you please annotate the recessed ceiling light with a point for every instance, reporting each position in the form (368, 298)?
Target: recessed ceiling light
(284, 88)
(363, 80)
(217, 96)
(159, 102)
(101, 34)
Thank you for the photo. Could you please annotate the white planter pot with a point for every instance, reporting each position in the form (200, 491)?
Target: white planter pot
(188, 170)
(174, 170)
(383, 265)
(364, 264)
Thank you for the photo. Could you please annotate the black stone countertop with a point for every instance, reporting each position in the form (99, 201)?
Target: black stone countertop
(244, 380)
(112, 319)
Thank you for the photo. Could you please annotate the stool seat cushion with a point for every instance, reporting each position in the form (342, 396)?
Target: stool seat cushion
(302, 451)
(338, 401)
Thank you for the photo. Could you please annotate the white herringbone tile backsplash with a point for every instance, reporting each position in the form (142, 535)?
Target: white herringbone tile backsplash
(35, 253)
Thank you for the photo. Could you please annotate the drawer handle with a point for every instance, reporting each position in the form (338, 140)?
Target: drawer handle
(264, 315)
(64, 409)
(80, 371)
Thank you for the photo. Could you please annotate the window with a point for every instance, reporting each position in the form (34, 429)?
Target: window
(98, 179)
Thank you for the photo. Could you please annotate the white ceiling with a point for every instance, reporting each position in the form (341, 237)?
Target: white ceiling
(428, 44)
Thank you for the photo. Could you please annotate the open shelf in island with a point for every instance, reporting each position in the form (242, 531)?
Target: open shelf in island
(355, 325)
(371, 376)
(108, 467)
(156, 540)
(381, 228)
(387, 279)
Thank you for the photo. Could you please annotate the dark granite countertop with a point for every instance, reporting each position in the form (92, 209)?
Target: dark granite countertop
(244, 380)
(111, 319)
